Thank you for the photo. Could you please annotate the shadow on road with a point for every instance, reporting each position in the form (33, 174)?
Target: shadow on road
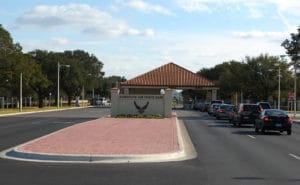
(248, 132)
(264, 179)
(220, 125)
(249, 178)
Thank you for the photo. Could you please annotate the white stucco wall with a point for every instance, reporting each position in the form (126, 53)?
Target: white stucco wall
(141, 103)
(127, 105)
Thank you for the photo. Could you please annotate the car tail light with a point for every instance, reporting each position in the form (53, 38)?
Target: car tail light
(242, 109)
(220, 110)
(266, 119)
(290, 120)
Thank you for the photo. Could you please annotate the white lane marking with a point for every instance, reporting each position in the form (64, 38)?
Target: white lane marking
(295, 156)
(251, 136)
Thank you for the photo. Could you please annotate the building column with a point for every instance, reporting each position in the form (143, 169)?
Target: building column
(114, 101)
(126, 91)
(214, 94)
(168, 103)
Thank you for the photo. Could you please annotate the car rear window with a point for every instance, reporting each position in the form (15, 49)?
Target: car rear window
(265, 105)
(251, 108)
(229, 107)
(216, 106)
(275, 113)
(216, 101)
(223, 106)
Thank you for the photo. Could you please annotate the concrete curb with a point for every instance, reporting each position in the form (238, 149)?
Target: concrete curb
(41, 111)
(186, 152)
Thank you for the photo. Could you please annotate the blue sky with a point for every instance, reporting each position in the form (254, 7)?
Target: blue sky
(133, 36)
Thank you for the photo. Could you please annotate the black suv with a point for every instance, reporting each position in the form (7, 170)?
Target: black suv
(246, 114)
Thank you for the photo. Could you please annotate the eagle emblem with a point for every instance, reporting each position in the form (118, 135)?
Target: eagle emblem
(142, 109)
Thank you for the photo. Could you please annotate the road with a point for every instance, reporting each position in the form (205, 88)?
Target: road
(226, 155)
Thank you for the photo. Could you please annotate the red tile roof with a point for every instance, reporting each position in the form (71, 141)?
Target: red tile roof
(169, 75)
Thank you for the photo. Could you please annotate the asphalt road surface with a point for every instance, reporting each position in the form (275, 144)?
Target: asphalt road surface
(226, 155)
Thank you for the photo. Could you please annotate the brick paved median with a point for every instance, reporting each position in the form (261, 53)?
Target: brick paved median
(110, 136)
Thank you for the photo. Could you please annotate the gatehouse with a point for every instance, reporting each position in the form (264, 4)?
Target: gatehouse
(151, 92)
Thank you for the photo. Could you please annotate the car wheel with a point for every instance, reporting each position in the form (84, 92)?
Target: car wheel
(289, 132)
(217, 117)
(229, 121)
(256, 129)
(262, 130)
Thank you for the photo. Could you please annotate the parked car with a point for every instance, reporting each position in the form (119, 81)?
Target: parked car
(199, 105)
(246, 114)
(205, 108)
(274, 119)
(230, 113)
(216, 101)
(102, 101)
(215, 109)
(264, 105)
(211, 108)
(222, 111)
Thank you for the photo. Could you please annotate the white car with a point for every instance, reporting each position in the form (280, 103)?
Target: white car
(102, 101)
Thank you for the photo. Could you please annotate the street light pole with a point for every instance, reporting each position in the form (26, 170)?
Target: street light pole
(295, 91)
(279, 86)
(21, 97)
(58, 67)
(58, 71)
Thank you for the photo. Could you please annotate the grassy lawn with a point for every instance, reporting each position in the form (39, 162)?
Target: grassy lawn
(31, 109)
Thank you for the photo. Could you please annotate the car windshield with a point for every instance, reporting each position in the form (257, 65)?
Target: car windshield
(275, 113)
(251, 108)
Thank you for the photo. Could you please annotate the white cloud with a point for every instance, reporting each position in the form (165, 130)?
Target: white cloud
(260, 34)
(88, 19)
(147, 7)
(287, 6)
(194, 5)
(254, 7)
(192, 51)
(59, 41)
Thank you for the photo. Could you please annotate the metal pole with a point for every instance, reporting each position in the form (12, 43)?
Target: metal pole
(21, 102)
(82, 96)
(279, 87)
(58, 84)
(241, 97)
(50, 100)
(295, 91)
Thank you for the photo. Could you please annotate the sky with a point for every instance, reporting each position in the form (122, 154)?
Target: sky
(132, 37)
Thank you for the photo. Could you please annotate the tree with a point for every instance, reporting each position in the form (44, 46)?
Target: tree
(110, 82)
(12, 63)
(293, 47)
(256, 77)
(85, 73)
